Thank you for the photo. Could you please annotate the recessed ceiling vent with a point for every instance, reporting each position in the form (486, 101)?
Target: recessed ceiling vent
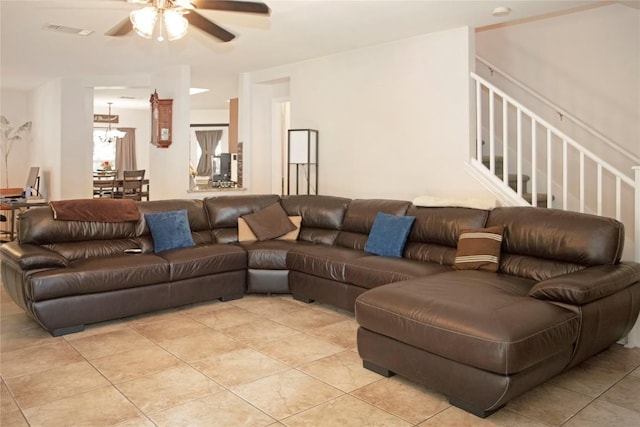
(68, 30)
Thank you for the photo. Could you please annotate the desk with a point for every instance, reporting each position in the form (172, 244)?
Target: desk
(15, 204)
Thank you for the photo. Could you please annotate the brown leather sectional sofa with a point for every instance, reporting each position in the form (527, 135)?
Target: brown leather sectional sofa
(482, 338)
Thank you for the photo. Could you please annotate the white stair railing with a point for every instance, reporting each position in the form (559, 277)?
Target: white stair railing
(562, 113)
(562, 173)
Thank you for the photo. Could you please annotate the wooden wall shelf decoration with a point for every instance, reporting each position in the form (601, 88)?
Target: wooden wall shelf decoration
(161, 119)
(106, 118)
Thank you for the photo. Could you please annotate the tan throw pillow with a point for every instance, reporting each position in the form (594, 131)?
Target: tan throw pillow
(479, 249)
(270, 222)
(245, 234)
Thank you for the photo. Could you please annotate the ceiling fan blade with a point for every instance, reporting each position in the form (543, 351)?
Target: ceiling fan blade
(232, 6)
(121, 29)
(207, 26)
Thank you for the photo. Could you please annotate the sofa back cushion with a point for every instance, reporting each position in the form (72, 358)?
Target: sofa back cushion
(223, 213)
(38, 227)
(75, 239)
(359, 219)
(542, 243)
(198, 221)
(435, 232)
(322, 216)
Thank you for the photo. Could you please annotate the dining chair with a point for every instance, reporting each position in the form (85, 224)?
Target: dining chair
(132, 184)
(104, 183)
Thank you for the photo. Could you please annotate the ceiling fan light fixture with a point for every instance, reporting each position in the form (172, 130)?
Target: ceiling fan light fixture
(144, 21)
(169, 22)
(175, 24)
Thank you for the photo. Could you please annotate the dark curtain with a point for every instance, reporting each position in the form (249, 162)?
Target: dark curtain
(208, 141)
(126, 151)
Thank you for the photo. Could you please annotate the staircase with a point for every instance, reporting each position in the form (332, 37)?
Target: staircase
(524, 160)
(512, 181)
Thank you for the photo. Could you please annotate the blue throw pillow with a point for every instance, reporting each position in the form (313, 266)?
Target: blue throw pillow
(389, 234)
(169, 230)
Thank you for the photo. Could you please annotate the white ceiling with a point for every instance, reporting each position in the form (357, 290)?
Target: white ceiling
(295, 31)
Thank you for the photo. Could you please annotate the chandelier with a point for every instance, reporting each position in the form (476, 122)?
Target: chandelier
(111, 135)
(162, 18)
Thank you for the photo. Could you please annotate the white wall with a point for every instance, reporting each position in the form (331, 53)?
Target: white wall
(14, 106)
(209, 116)
(61, 112)
(393, 119)
(46, 113)
(76, 155)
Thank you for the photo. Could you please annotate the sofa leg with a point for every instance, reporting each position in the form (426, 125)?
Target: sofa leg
(472, 409)
(230, 297)
(65, 331)
(377, 369)
(303, 299)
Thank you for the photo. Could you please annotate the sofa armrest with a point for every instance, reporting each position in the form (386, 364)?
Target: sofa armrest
(31, 257)
(589, 284)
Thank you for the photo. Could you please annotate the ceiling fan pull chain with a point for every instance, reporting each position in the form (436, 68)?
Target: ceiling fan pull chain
(160, 25)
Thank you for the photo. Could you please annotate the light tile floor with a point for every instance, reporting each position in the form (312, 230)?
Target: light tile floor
(261, 361)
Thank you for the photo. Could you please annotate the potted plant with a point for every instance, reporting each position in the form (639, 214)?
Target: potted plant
(9, 137)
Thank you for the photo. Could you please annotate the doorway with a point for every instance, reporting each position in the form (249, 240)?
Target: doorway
(280, 125)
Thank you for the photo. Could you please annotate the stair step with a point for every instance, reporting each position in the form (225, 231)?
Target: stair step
(498, 163)
(513, 181)
(487, 159)
(541, 199)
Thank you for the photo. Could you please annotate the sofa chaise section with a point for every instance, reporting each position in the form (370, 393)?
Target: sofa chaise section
(512, 330)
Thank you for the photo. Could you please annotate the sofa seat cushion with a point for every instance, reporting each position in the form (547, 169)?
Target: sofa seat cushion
(478, 318)
(269, 254)
(186, 263)
(372, 271)
(328, 262)
(97, 274)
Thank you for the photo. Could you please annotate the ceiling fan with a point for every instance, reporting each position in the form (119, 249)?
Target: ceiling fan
(170, 18)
